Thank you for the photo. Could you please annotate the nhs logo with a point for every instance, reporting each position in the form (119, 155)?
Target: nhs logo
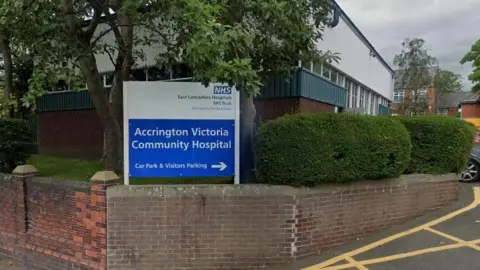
(222, 90)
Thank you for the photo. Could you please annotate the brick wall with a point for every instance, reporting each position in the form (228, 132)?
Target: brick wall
(48, 224)
(79, 133)
(268, 109)
(74, 134)
(256, 226)
(452, 111)
(470, 110)
(431, 100)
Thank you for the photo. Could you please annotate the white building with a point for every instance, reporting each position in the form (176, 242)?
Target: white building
(362, 79)
(368, 78)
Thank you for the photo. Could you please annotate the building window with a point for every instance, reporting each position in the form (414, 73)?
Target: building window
(367, 101)
(317, 68)
(372, 103)
(138, 75)
(307, 66)
(422, 94)
(362, 97)
(348, 86)
(156, 74)
(326, 71)
(354, 95)
(398, 95)
(341, 79)
(333, 76)
(443, 111)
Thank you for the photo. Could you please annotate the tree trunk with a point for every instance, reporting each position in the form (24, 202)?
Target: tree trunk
(8, 66)
(112, 130)
(247, 133)
(123, 65)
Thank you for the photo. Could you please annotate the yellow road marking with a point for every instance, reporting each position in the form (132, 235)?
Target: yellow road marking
(475, 203)
(355, 263)
(402, 255)
(453, 238)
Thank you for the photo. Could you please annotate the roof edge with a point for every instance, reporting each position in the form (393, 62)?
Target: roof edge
(362, 37)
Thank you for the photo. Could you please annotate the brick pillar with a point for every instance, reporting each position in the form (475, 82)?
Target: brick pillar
(98, 206)
(21, 174)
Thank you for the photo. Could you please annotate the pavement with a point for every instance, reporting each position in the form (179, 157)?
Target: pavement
(7, 263)
(446, 239)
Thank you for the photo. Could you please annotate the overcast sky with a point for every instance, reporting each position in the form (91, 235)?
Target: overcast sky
(449, 27)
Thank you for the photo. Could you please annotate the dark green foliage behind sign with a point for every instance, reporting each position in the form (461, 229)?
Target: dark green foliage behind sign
(441, 144)
(15, 143)
(308, 150)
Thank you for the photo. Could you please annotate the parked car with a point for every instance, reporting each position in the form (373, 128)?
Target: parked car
(472, 171)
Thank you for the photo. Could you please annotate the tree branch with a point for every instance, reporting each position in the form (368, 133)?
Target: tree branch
(104, 33)
(70, 19)
(114, 26)
(110, 56)
(97, 14)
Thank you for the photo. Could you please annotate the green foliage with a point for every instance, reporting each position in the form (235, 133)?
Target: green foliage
(6, 103)
(235, 42)
(473, 56)
(416, 72)
(441, 144)
(15, 143)
(309, 150)
(448, 81)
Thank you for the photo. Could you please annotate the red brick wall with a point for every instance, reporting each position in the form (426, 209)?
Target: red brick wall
(75, 134)
(470, 110)
(47, 224)
(452, 111)
(79, 133)
(254, 226)
(432, 100)
(268, 109)
(312, 106)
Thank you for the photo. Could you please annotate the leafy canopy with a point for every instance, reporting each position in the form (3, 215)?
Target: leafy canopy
(448, 81)
(415, 64)
(237, 42)
(416, 69)
(473, 57)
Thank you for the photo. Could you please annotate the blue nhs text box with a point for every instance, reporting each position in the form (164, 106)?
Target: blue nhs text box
(181, 148)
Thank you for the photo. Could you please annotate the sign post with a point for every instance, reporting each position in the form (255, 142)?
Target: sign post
(181, 129)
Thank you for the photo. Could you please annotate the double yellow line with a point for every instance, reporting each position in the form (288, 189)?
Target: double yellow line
(427, 226)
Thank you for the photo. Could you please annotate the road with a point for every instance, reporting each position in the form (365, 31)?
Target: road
(447, 239)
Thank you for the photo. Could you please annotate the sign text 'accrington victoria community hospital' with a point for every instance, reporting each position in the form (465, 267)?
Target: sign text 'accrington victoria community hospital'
(180, 129)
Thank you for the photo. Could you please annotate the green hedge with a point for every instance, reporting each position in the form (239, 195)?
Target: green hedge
(440, 144)
(308, 150)
(15, 143)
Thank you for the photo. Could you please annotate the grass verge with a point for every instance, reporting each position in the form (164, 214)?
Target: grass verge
(82, 170)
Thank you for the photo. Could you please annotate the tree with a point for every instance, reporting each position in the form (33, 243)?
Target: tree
(473, 56)
(416, 69)
(447, 81)
(235, 42)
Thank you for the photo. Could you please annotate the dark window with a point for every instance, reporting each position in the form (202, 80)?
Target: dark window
(138, 75)
(181, 71)
(108, 80)
(156, 74)
(61, 86)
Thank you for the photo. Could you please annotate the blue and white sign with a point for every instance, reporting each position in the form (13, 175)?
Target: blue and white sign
(180, 129)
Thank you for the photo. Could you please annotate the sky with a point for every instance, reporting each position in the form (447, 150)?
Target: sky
(449, 27)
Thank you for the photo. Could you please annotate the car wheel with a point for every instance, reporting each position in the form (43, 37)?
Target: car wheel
(471, 172)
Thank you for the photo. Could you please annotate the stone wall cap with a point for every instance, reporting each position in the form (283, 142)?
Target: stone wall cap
(267, 190)
(25, 169)
(105, 177)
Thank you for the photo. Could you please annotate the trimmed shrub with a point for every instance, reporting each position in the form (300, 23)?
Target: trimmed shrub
(308, 150)
(15, 143)
(441, 144)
